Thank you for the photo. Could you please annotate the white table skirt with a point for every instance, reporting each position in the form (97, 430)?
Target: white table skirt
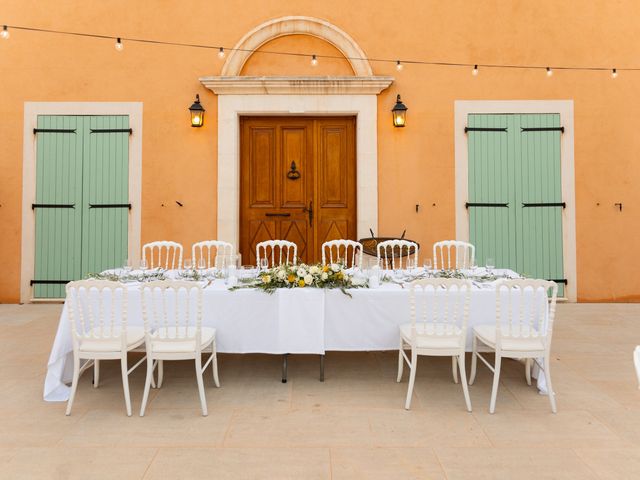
(308, 321)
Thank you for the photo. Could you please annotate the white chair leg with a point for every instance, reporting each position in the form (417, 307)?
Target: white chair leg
(412, 378)
(160, 372)
(496, 381)
(203, 401)
(147, 385)
(463, 379)
(547, 376)
(96, 373)
(74, 384)
(400, 362)
(474, 360)
(125, 384)
(454, 369)
(214, 364)
(527, 370)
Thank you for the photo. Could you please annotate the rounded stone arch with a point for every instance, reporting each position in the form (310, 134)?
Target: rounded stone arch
(296, 25)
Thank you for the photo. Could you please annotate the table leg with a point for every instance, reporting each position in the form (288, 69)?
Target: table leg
(284, 367)
(322, 368)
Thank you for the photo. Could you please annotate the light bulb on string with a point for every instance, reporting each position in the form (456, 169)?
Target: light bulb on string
(614, 73)
(314, 60)
(119, 45)
(399, 65)
(549, 72)
(221, 53)
(474, 72)
(5, 33)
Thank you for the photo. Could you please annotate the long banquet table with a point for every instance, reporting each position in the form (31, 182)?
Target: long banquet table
(308, 320)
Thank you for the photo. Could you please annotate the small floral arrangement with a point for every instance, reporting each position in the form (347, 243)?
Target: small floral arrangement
(303, 276)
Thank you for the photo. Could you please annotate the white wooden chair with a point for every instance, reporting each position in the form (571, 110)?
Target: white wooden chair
(216, 253)
(172, 312)
(97, 311)
(392, 252)
(446, 251)
(439, 310)
(524, 323)
(163, 254)
(343, 249)
(277, 252)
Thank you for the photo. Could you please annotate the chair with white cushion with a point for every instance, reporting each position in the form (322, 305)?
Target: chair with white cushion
(97, 311)
(172, 312)
(439, 310)
(453, 254)
(163, 254)
(525, 311)
(348, 251)
(216, 253)
(277, 252)
(392, 252)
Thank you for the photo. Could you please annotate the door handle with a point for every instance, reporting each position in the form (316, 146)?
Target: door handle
(277, 214)
(310, 212)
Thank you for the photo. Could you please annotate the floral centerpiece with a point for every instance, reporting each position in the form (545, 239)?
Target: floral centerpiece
(303, 276)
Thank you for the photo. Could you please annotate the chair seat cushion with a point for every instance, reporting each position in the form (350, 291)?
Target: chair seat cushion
(163, 340)
(487, 333)
(432, 335)
(135, 336)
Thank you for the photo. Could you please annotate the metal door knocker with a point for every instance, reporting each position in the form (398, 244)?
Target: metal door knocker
(294, 173)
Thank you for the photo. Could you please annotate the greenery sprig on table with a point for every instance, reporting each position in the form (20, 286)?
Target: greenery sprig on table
(303, 276)
(129, 277)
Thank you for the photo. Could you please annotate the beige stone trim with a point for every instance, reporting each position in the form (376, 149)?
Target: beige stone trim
(297, 85)
(565, 108)
(296, 25)
(31, 112)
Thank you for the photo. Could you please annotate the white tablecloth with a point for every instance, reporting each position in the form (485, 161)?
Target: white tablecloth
(289, 321)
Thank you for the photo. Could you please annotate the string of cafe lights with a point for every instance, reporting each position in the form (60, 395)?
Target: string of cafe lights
(5, 34)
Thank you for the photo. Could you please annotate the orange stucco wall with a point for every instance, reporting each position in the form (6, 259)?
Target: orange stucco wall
(415, 163)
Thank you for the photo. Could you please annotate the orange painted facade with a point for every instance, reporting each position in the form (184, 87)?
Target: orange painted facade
(415, 164)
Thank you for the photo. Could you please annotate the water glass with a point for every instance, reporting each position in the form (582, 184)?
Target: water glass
(202, 265)
(127, 266)
(143, 264)
(264, 264)
(427, 265)
(238, 261)
(187, 264)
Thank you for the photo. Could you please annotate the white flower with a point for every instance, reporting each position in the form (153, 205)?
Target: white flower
(324, 275)
(314, 270)
(281, 274)
(357, 280)
(301, 272)
(308, 279)
(335, 267)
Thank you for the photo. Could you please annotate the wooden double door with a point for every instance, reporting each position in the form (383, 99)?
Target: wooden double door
(298, 182)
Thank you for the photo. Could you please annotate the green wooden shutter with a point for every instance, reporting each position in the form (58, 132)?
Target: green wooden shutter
(106, 182)
(58, 182)
(82, 169)
(516, 167)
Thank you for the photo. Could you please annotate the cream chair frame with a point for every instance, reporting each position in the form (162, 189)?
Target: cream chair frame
(528, 337)
(440, 334)
(99, 338)
(343, 244)
(387, 246)
(222, 258)
(167, 339)
(282, 245)
(466, 260)
(173, 252)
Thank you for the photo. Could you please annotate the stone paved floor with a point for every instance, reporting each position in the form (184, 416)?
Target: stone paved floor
(351, 426)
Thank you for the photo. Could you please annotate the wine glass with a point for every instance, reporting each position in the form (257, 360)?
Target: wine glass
(264, 264)
(490, 264)
(143, 264)
(126, 268)
(187, 264)
(202, 265)
(238, 261)
(427, 265)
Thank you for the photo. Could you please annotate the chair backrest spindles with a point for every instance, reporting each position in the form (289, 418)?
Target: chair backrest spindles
(397, 250)
(352, 251)
(205, 249)
(268, 248)
(169, 254)
(443, 253)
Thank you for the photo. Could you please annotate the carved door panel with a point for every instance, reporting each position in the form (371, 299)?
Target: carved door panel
(297, 182)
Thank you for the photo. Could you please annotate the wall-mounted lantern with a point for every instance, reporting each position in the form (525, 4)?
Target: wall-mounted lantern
(399, 113)
(197, 113)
